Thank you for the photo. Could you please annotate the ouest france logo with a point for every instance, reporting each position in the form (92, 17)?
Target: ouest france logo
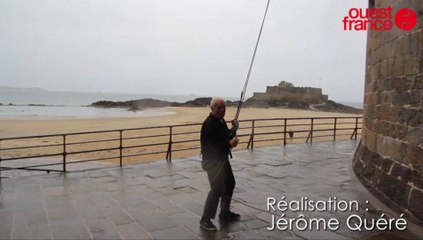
(379, 19)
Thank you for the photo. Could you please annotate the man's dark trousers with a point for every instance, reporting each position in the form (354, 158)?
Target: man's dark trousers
(222, 184)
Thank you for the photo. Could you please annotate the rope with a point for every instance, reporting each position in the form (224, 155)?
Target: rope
(251, 65)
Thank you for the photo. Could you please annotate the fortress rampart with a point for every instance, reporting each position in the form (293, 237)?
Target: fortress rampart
(287, 92)
(389, 159)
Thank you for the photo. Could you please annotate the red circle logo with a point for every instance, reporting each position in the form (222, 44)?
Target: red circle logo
(405, 19)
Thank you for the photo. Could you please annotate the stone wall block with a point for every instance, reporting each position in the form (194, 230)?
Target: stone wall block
(397, 84)
(400, 99)
(398, 68)
(384, 68)
(391, 62)
(415, 98)
(415, 203)
(420, 34)
(373, 43)
(415, 136)
(364, 138)
(414, 157)
(416, 179)
(386, 164)
(411, 117)
(416, 118)
(380, 144)
(417, 4)
(395, 189)
(371, 141)
(399, 132)
(376, 177)
(410, 82)
(374, 124)
(413, 43)
(372, 98)
(384, 128)
(398, 46)
(412, 64)
(357, 163)
(372, 86)
(394, 116)
(420, 64)
(401, 172)
(374, 73)
(368, 171)
(393, 149)
(387, 97)
(380, 112)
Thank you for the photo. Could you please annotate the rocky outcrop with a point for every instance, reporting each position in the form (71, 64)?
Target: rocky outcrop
(198, 102)
(154, 103)
(331, 106)
(134, 105)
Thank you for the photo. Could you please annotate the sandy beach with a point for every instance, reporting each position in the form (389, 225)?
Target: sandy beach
(33, 127)
(182, 115)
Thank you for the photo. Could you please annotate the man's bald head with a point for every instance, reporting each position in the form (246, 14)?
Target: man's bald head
(218, 107)
(216, 100)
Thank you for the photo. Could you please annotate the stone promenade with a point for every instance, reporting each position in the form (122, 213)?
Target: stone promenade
(157, 200)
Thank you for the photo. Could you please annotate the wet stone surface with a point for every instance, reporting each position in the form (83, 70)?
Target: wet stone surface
(158, 200)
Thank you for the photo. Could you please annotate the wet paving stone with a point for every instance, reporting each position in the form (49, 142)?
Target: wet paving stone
(70, 229)
(157, 200)
(37, 232)
(103, 229)
(174, 233)
(133, 231)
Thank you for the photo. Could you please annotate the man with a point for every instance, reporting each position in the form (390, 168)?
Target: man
(216, 143)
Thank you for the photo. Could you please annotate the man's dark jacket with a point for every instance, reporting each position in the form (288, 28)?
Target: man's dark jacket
(215, 137)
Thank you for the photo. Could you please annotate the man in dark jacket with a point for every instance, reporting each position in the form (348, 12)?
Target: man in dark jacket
(216, 143)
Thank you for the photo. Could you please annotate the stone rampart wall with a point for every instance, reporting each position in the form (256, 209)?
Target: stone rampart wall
(389, 159)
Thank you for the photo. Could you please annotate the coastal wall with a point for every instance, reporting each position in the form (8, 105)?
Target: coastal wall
(287, 92)
(389, 158)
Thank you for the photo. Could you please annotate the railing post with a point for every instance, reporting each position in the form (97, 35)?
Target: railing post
(64, 153)
(169, 148)
(0, 162)
(120, 147)
(252, 134)
(310, 135)
(356, 127)
(284, 132)
(251, 140)
(334, 130)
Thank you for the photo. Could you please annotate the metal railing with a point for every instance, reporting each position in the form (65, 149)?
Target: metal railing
(57, 152)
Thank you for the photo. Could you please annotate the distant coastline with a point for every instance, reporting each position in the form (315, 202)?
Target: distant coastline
(37, 96)
(39, 103)
(140, 104)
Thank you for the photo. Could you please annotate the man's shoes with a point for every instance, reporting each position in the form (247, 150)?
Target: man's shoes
(207, 225)
(228, 216)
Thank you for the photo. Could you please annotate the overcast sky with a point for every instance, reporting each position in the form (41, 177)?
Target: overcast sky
(201, 47)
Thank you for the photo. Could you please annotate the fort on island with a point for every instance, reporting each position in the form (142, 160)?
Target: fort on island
(287, 92)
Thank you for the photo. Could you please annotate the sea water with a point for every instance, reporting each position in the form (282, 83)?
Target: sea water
(40, 104)
(25, 104)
